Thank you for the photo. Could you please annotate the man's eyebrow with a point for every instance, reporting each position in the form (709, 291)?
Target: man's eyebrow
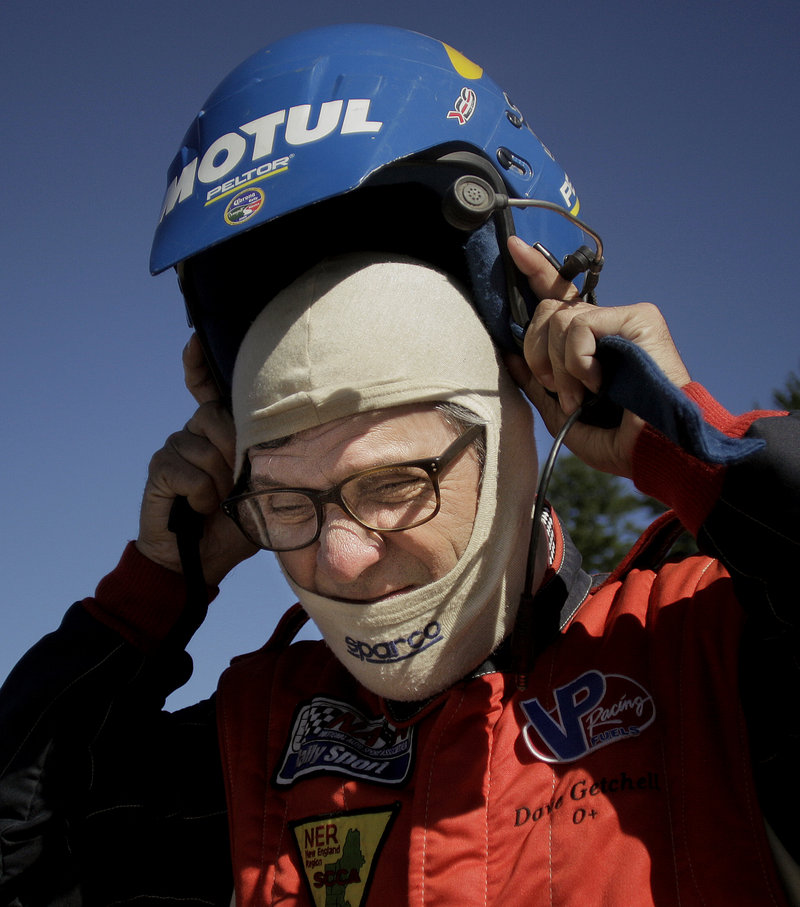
(265, 483)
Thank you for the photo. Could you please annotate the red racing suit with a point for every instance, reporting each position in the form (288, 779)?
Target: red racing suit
(656, 731)
(620, 776)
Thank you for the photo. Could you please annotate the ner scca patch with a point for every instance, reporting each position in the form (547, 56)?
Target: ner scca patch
(330, 737)
(339, 852)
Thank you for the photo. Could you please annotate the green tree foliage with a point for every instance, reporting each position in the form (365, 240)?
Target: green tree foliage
(788, 397)
(603, 514)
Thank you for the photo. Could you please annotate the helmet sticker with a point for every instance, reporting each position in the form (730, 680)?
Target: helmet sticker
(570, 196)
(228, 151)
(464, 67)
(243, 206)
(464, 106)
(223, 190)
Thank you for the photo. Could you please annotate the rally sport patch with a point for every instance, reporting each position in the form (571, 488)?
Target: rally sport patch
(333, 737)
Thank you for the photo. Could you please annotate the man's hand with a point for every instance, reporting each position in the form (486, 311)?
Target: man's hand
(559, 356)
(197, 463)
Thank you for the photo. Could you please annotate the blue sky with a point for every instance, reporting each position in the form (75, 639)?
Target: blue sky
(676, 121)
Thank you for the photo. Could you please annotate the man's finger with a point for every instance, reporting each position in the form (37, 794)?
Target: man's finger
(196, 373)
(543, 278)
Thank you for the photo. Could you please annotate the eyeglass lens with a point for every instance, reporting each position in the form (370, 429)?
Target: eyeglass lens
(388, 499)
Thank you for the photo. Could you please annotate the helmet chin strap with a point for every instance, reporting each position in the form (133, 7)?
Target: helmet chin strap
(187, 525)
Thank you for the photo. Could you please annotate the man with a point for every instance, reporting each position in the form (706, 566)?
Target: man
(482, 723)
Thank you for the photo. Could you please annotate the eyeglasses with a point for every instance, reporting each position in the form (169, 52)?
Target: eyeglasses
(384, 498)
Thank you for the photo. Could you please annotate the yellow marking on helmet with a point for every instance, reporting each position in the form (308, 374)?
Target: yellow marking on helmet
(576, 208)
(464, 67)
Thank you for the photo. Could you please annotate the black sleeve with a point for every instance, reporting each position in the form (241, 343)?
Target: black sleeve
(104, 797)
(755, 530)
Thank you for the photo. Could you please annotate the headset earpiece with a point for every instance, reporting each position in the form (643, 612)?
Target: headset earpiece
(470, 202)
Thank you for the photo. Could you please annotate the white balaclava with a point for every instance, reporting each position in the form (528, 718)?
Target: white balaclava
(366, 332)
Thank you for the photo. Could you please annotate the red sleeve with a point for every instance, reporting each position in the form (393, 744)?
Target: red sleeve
(139, 599)
(689, 486)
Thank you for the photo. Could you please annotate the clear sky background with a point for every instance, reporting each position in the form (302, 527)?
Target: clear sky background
(677, 122)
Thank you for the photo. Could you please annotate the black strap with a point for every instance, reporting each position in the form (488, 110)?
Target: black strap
(187, 525)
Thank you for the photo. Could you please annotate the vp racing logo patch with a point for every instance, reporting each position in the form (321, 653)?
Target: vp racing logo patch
(590, 712)
(332, 737)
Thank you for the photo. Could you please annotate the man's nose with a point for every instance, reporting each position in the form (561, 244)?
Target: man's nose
(346, 548)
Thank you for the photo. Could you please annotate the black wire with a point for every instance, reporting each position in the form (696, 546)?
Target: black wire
(525, 625)
(541, 496)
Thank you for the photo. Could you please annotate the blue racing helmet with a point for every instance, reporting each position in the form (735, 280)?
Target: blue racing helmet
(350, 138)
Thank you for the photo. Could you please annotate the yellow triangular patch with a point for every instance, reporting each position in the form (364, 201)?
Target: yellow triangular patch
(462, 65)
(338, 853)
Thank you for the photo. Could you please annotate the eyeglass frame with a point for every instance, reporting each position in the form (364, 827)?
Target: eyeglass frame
(432, 466)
